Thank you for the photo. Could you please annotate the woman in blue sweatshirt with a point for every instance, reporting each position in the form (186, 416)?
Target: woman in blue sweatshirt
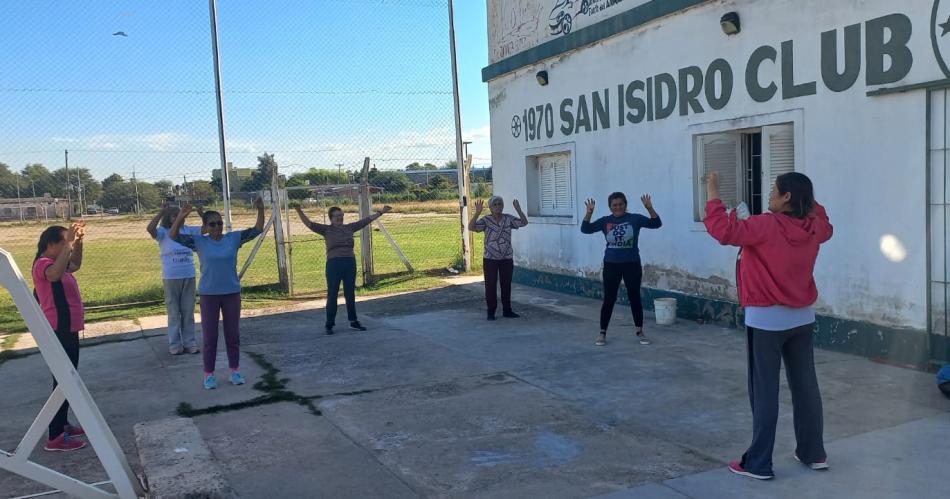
(622, 256)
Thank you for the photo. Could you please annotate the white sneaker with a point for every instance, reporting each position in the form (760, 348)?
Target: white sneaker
(821, 465)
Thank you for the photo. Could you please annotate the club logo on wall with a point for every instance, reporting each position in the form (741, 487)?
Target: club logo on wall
(940, 34)
(562, 15)
(516, 126)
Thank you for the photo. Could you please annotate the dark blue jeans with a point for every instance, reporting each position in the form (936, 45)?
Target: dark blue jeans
(767, 350)
(342, 269)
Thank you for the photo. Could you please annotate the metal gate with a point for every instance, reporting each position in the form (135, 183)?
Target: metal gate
(938, 221)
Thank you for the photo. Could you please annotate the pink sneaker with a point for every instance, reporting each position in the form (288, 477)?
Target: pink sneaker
(63, 443)
(74, 431)
(736, 468)
(817, 466)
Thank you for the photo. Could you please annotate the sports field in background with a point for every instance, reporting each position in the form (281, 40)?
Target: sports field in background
(122, 272)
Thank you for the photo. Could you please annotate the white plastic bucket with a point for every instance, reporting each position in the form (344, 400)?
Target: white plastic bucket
(665, 309)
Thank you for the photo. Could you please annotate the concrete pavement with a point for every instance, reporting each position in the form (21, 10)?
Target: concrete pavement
(434, 401)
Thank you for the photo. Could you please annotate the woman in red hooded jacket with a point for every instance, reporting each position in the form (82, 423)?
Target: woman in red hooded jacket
(777, 288)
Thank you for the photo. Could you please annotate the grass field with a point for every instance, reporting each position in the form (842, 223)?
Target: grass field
(121, 263)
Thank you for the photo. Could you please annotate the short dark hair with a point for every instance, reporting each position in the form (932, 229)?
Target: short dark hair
(332, 210)
(208, 215)
(169, 218)
(802, 193)
(616, 195)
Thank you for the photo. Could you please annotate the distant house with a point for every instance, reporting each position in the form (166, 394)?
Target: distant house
(422, 177)
(237, 178)
(32, 208)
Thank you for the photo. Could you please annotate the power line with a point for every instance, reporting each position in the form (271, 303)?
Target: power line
(231, 151)
(211, 92)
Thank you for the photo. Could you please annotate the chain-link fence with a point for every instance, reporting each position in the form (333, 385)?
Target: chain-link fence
(110, 108)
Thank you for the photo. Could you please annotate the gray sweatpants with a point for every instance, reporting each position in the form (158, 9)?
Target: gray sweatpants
(767, 350)
(180, 305)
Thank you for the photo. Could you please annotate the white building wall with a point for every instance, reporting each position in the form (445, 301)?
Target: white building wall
(865, 155)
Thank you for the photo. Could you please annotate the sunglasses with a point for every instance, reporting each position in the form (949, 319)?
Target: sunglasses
(216, 224)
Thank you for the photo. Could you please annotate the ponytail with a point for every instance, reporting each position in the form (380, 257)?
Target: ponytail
(52, 235)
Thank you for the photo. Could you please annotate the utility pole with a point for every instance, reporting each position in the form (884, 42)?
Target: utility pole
(82, 207)
(138, 207)
(69, 197)
(45, 203)
(222, 141)
(33, 185)
(463, 199)
(19, 207)
(339, 168)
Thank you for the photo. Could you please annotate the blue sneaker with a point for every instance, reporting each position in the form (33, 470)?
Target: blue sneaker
(210, 382)
(237, 378)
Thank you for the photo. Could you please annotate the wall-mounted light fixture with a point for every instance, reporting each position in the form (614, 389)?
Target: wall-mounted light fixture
(542, 77)
(730, 23)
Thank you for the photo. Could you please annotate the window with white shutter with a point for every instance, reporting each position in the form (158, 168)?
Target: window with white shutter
(778, 156)
(748, 162)
(722, 153)
(550, 185)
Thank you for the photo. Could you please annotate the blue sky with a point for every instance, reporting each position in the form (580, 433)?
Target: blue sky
(316, 82)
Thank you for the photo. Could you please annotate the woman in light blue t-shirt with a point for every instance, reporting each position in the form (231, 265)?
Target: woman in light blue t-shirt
(220, 286)
(178, 280)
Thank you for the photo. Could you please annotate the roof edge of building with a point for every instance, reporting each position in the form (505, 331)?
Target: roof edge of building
(637, 16)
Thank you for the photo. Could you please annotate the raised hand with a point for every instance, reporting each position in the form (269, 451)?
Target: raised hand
(647, 201)
(259, 203)
(590, 206)
(479, 206)
(387, 209)
(186, 209)
(712, 185)
(516, 204)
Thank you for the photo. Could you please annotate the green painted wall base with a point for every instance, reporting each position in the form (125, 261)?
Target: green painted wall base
(900, 346)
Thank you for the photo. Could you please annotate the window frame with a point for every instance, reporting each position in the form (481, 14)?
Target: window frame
(570, 216)
(794, 117)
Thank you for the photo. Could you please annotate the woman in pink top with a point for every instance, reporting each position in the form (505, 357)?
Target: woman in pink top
(58, 256)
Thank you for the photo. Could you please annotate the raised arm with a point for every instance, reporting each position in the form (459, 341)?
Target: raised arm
(588, 227)
(310, 224)
(823, 228)
(179, 221)
(75, 260)
(355, 226)
(524, 218)
(55, 271)
(654, 222)
(152, 227)
(728, 229)
(473, 224)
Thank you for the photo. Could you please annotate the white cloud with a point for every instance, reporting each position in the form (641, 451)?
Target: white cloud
(164, 141)
(239, 146)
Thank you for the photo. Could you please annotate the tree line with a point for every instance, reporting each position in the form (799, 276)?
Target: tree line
(116, 191)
